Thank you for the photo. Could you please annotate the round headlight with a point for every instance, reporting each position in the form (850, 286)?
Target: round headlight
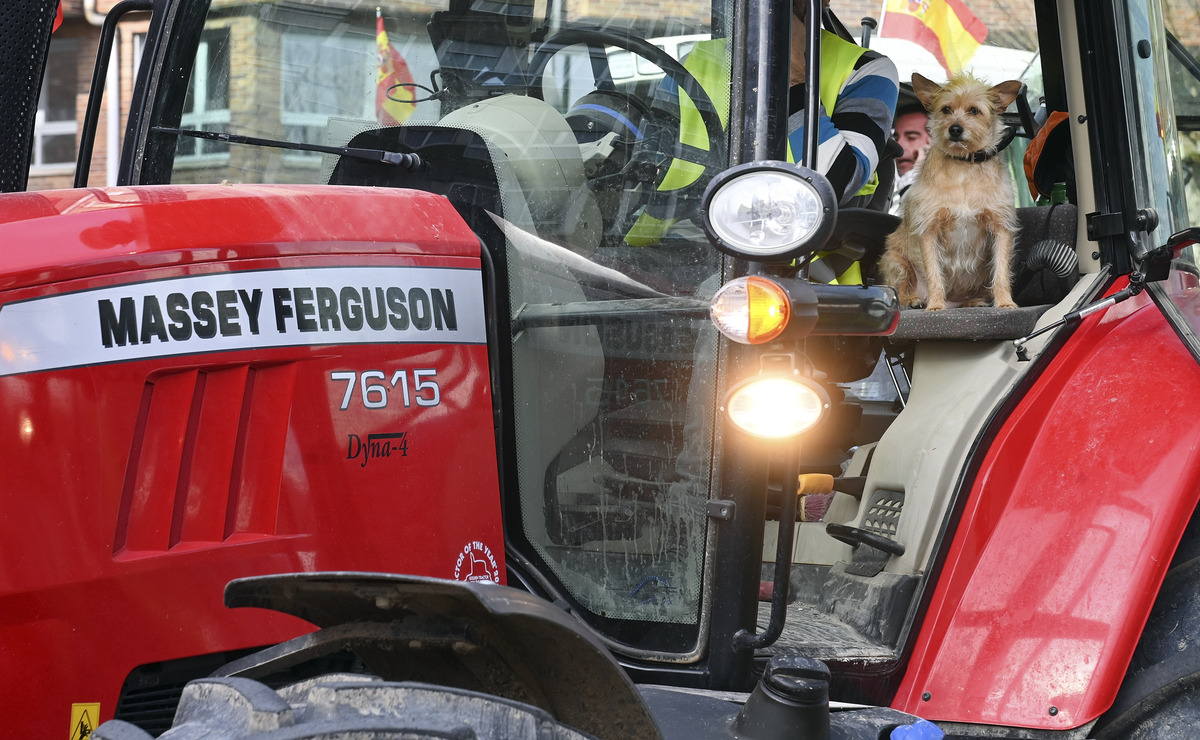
(776, 407)
(768, 211)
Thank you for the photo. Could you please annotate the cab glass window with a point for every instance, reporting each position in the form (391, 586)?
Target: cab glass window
(1175, 186)
(545, 124)
(994, 42)
(1154, 132)
(1183, 79)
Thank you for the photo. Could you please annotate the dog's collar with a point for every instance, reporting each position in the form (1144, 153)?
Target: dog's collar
(986, 154)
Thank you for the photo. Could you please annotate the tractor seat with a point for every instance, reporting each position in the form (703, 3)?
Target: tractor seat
(1045, 270)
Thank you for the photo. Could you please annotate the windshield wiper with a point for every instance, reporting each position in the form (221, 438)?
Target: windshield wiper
(1183, 56)
(410, 162)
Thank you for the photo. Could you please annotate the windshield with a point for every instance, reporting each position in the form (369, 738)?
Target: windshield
(324, 71)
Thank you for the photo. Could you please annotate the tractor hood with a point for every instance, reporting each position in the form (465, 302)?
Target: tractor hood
(99, 231)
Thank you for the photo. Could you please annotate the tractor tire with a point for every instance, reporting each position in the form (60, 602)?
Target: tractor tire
(345, 707)
(1160, 696)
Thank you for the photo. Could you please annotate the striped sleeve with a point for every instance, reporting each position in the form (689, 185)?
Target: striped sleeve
(852, 140)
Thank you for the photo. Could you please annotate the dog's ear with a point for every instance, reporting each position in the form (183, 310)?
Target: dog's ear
(1004, 93)
(925, 90)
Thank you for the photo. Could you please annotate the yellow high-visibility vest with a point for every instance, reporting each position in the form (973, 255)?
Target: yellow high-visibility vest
(708, 62)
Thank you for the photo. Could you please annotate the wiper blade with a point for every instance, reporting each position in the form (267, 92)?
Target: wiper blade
(410, 162)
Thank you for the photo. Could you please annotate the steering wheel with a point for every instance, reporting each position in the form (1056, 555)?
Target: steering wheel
(596, 39)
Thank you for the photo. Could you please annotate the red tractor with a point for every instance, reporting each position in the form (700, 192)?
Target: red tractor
(371, 330)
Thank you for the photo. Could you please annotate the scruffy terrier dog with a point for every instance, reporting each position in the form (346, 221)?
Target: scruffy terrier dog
(954, 244)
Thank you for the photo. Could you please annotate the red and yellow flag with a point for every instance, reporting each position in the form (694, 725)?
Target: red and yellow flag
(393, 105)
(947, 28)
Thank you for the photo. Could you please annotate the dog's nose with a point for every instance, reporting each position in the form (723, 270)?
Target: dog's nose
(955, 131)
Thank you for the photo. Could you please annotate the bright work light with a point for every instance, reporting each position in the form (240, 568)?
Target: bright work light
(776, 406)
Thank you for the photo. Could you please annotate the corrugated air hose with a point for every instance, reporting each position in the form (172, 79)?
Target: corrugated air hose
(1056, 256)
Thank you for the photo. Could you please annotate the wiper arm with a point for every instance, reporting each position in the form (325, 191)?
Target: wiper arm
(1183, 56)
(410, 162)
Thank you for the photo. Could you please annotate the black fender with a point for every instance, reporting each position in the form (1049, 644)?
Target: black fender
(480, 637)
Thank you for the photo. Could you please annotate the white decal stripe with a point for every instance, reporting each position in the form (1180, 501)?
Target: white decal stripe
(242, 310)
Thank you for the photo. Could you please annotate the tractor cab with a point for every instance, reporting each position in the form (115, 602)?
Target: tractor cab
(628, 496)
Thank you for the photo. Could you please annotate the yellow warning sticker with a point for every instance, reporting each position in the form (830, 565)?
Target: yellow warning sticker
(84, 718)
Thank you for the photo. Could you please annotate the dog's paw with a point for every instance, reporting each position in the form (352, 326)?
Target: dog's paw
(938, 306)
(977, 303)
(914, 303)
(1005, 304)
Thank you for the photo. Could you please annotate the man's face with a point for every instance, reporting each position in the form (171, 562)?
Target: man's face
(913, 137)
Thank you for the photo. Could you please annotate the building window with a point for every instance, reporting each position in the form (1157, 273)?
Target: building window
(55, 128)
(206, 106)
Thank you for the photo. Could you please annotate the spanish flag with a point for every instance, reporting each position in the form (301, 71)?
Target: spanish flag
(393, 104)
(947, 28)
